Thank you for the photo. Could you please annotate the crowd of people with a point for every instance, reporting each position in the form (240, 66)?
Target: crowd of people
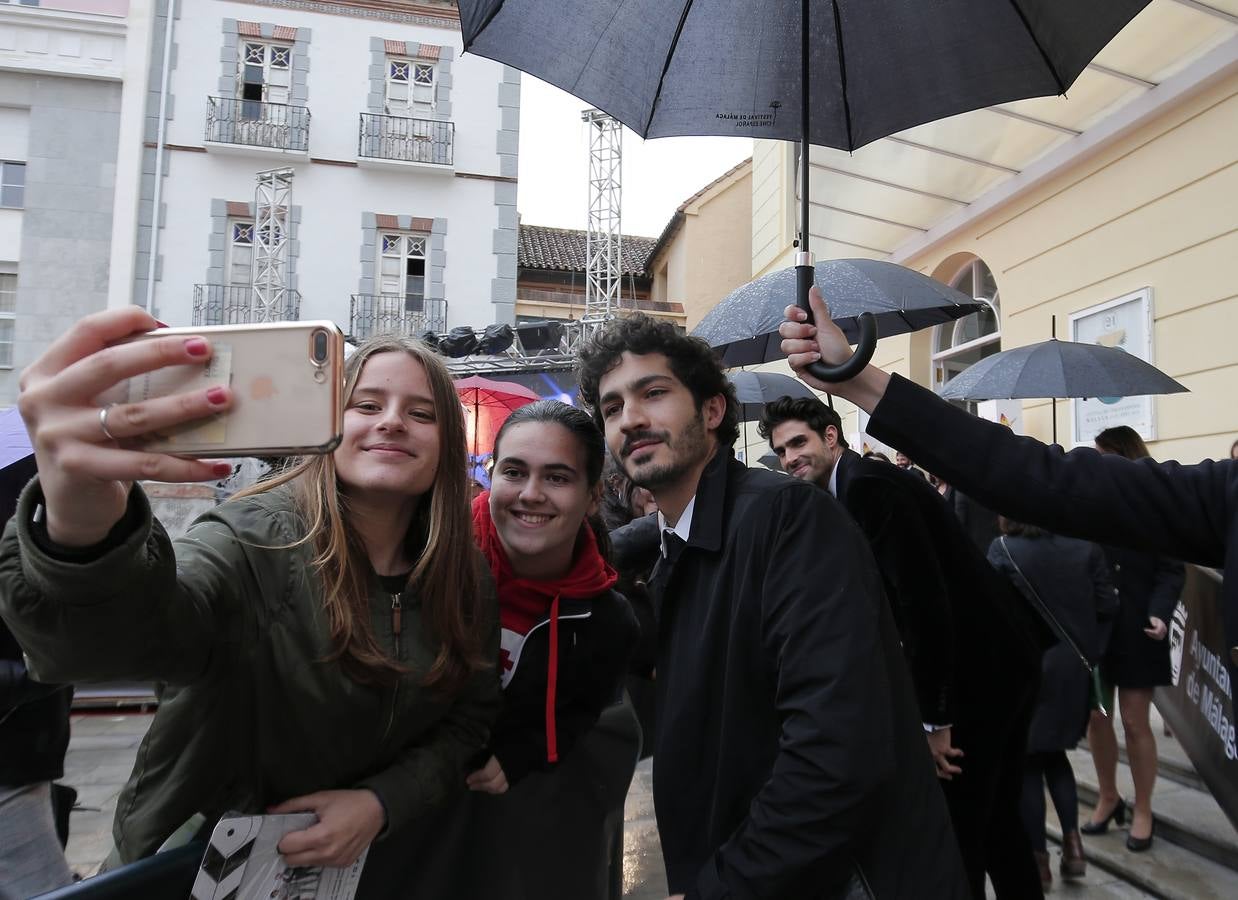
(853, 682)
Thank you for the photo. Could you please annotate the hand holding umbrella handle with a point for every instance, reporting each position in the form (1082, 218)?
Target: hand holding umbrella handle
(864, 350)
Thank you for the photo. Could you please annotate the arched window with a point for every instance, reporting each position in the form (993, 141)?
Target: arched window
(959, 344)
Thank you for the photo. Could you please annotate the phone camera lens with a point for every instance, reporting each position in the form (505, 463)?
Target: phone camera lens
(320, 347)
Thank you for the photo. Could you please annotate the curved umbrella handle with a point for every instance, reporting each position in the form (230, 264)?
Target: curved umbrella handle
(864, 350)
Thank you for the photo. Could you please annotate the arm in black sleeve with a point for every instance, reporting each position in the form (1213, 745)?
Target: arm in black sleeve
(915, 587)
(820, 610)
(1102, 585)
(1168, 508)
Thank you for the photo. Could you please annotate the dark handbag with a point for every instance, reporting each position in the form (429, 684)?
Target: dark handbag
(1026, 589)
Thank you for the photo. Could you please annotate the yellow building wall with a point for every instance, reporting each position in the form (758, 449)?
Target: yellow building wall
(715, 241)
(1159, 209)
(708, 257)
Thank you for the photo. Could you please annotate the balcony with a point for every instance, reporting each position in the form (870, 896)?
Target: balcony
(257, 126)
(236, 304)
(394, 141)
(375, 314)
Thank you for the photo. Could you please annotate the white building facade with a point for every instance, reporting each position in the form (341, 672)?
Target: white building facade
(62, 70)
(399, 156)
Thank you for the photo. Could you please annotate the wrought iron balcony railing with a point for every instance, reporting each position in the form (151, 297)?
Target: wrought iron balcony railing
(375, 314)
(237, 304)
(406, 140)
(253, 123)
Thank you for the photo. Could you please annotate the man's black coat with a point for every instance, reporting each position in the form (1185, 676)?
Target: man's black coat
(974, 650)
(789, 749)
(964, 631)
(1188, 512)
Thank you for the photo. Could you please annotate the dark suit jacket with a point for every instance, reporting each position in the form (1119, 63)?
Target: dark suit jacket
(789, 747)
(1188, 512)
(964, 632)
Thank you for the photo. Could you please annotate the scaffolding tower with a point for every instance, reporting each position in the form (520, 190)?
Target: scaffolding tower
(271, 301)
(603, 245)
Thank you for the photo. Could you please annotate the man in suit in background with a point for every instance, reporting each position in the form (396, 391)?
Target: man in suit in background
(971, 647)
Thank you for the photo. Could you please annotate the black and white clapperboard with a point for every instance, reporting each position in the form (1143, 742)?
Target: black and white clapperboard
(242, 862)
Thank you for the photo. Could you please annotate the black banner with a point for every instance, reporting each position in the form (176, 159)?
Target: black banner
(1199, 705)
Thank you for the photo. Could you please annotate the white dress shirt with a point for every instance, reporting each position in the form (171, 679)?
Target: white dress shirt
(682, 528)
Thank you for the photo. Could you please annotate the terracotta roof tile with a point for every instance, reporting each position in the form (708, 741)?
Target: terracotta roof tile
(285, 33)
(428, 51)
(384, 221)
(238, 209)
(249, 29)
(396, 48)
(564, 249)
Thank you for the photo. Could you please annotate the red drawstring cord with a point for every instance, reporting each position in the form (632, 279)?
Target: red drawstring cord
(552, 679)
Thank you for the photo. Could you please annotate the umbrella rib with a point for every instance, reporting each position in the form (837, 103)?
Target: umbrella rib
(666, 65)
(486, 22)
(842, 79)
(1061, 88)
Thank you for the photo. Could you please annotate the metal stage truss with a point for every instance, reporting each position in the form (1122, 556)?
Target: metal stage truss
(272, 205)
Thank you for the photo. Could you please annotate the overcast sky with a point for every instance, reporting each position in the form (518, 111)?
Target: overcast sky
(658, 175)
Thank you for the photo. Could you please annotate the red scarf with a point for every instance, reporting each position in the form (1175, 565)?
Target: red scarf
(524, 601)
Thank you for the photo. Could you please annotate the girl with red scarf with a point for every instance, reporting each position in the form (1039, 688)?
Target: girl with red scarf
(553, 775)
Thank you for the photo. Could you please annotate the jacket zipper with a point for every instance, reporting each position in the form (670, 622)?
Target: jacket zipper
(397, 625)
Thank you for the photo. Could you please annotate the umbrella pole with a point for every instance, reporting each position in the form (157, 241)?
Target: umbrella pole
(805, 273)
(1053, 401)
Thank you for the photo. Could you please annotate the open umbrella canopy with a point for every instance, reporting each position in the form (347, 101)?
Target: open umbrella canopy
(487, 404)
(1059, 369)
(754, 389)
(828, 72)
(733, 67)
(744, 326)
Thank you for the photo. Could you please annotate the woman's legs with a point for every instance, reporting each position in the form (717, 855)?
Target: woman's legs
(1104, 746)
(1141, 751)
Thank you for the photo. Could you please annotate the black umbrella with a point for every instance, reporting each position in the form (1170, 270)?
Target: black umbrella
(1056, 369)
(853, 71)
(770, 461)
(754, 389)
(744, 326)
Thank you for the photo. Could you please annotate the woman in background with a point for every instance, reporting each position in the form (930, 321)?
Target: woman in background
(1135, 662)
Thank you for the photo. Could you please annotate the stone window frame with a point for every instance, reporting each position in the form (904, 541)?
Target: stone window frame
(224, 212)
(373, 224)
(235, 31)
(8, 318)
(381, 50)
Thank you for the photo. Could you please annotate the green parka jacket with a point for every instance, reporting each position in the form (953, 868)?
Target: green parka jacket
(231, 620)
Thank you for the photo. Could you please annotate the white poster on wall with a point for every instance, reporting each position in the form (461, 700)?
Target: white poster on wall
(1124, 323)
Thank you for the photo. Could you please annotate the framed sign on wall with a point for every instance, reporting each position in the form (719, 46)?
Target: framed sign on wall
(1126, 324)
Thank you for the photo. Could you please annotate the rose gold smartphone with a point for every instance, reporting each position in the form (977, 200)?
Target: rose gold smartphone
(287, 380)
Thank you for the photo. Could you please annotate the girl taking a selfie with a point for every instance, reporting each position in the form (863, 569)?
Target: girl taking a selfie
(555, 774)
(327, 639)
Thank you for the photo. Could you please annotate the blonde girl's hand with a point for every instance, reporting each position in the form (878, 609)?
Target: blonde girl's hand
(348, 822)
(489, 779)
(89, 456)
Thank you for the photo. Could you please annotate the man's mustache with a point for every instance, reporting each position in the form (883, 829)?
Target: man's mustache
(637, 436)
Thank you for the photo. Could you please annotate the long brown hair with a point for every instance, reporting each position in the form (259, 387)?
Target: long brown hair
(446, 576)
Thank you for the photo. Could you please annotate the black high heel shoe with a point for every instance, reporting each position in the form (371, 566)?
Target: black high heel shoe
(1117, 815)
(1138, 845)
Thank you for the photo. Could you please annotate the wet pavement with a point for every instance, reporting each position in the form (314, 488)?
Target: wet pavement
(103, 747)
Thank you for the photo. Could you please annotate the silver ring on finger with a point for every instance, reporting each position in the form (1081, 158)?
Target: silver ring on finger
(103, 422)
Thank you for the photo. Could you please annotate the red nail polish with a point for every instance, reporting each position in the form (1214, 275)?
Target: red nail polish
(216, 395)
(196, 347)
(222, 468)
(159, 324)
